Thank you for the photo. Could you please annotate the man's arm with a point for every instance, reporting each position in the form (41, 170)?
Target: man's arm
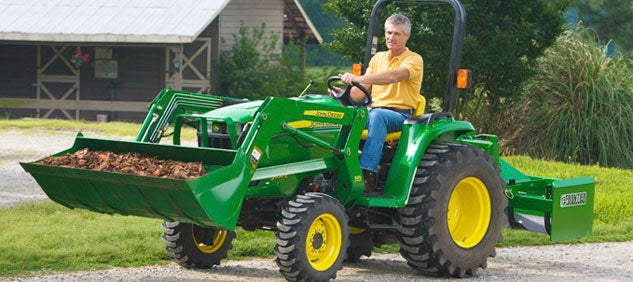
(381, 78)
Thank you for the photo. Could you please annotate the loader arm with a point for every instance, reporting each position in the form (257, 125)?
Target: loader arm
(300, 114)
(168, 104)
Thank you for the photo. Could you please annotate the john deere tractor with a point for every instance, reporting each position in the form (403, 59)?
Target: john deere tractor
(291, 166)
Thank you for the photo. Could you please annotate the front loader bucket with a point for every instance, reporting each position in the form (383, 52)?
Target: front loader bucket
(214, 199)
(562, 208)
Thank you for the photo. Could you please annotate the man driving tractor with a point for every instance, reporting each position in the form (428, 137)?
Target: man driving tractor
(394, 78)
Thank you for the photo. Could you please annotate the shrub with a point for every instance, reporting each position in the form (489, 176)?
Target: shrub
(579, 106)
(253, 70)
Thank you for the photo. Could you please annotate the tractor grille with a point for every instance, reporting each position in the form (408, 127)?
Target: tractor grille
(218, 135)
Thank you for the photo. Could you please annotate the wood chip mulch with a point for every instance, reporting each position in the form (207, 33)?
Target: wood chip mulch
(131, 163)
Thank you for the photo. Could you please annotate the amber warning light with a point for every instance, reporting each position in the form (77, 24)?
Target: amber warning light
(357, 69)
(464, 78)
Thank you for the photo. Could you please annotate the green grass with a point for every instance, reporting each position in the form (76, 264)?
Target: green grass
(88, 128)
(44, 237)
(50, 126)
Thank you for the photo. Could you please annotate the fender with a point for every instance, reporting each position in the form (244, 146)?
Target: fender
(417, 133)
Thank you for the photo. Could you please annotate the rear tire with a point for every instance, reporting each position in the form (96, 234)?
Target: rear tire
(312, 237)
(454, 215)
(193, 246)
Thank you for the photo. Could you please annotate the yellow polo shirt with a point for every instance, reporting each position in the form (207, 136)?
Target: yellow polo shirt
(401, 95)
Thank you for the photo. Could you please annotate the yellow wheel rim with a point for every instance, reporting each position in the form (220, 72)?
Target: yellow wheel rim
(469, 212)
(324, 241)
(219, 237)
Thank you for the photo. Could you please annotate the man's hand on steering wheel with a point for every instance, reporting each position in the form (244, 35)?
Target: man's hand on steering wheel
(344, 96)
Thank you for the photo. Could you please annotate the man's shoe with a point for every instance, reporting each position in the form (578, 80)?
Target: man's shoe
(370, 183)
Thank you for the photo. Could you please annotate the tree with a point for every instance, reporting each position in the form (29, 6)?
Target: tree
(253, 70)
(503, 40)
(611, 20)
(325, 23)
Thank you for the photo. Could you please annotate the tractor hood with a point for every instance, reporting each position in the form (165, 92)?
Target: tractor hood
(244, 111)
(239, 112)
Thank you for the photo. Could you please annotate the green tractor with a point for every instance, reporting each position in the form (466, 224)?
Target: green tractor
(291, 165)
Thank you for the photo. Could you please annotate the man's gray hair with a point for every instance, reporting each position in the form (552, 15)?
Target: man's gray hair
(401, 20)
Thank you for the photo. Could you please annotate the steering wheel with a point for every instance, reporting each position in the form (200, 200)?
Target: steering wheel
(345, 98)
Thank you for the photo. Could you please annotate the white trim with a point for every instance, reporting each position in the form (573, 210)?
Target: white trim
(95, 38)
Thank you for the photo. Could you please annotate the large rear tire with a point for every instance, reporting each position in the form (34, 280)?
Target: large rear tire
(193, 246)
(312, 237)
(454, 215)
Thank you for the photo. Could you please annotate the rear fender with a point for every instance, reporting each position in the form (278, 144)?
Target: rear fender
(417, 133)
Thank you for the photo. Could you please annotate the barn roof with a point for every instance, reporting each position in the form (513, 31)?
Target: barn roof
(298, 23)
(118, 21)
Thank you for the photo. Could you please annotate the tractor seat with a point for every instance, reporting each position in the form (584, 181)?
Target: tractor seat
(393, 136)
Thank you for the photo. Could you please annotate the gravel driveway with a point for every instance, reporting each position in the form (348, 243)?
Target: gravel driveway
(16, 185)
(584, 262)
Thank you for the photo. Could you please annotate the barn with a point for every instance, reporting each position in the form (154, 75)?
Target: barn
(106, 60)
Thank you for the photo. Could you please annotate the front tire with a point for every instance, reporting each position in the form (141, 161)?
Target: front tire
(312, 237)
(193, 246)
(454, 215)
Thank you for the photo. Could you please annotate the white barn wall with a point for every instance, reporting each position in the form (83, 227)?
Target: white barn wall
(252, 14)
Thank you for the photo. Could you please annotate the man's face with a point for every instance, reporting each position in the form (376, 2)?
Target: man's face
(395, 37)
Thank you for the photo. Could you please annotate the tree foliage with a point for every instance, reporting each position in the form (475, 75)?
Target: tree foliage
(253, 70)
(325, 23)
(503, 40)
(611, 20)
(579, 107)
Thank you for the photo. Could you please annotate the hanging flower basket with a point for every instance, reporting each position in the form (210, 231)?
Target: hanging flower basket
(79, 59)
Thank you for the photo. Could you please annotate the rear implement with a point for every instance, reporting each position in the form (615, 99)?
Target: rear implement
(562, 208)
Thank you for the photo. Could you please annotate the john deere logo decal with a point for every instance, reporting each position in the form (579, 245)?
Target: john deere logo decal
(325, 114)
